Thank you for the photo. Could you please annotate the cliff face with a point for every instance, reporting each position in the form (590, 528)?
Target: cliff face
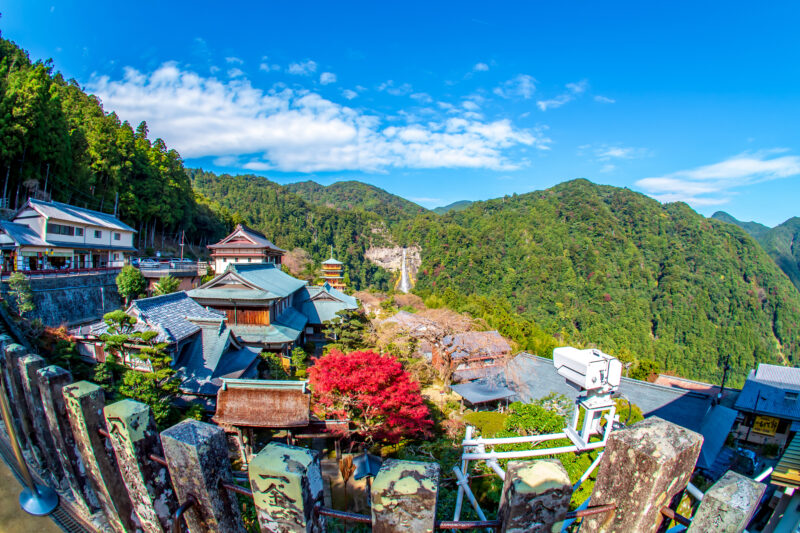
(392, 258)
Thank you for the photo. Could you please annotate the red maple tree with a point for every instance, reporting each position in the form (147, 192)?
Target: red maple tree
(373, 391)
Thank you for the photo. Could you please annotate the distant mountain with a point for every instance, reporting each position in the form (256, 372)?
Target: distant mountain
(616, 269)
(455, 207)
(354, 195)
(782, 242)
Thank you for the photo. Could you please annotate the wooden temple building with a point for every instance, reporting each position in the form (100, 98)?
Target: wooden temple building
(244, 246)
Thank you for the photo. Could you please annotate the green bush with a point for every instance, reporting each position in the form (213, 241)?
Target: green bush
(487, 422)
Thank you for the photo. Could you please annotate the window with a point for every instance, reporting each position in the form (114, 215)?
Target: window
(60, 229)
(79, 232)
(117, 236)
(98, 234)
(790, 395)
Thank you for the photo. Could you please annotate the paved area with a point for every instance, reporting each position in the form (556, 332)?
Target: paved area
(12, 518)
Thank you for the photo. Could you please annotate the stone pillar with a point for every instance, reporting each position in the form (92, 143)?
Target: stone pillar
(19, 407)
(728, 505)
(404, 497)
(29, 365)
(535, 496)
(84, 402)
(134, 437)
(52, 380)
(644, 466)
(197, 455)
(287, 484)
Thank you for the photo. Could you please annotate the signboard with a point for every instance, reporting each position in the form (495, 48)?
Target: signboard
(765, 425)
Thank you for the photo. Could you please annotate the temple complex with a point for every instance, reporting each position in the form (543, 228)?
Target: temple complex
(244, 245)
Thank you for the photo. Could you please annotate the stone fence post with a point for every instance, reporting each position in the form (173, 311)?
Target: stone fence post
(197, 456)
(29, 365)
(84, 403)
(643, 468)
(404, 495)
(52, 380)
(287, 485)
(19, 407)
(134, 436)
(728, 505)
(535, 496)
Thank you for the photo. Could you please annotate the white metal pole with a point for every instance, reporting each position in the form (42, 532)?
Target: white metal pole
(464, 484)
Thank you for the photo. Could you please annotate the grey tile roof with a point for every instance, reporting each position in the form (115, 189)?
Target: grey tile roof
(286, 328)
(767, 399)
(21, 234)
(534, 377)
(785, 376)
(259, 239)
(70, 213)
(476, 343)
(481, 391)
(171, 312)
(715, 428)
(269, 278)
(321, 303)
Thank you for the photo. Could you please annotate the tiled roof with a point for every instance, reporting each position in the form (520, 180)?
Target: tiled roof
(332, 261)
(481, 391)
(321, 303)
(770, 399)
(286, 328)
(787, 471)
(70, 213)
(788, 377)
(22, 235)
(231, 294)
(171, 313)
(269, 278)
(715, 428)
(258, 239)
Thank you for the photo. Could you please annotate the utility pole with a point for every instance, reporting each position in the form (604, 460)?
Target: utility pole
(183, 234)
(755, 411)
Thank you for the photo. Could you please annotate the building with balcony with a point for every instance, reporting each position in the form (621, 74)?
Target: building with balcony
(332, 273)
(244, 246)
(52, 237)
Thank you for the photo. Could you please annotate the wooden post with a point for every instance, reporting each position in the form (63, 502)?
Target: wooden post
(133, 435)
(197, 457)
(84, 403)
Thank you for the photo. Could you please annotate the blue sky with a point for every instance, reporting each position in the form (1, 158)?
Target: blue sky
(443, 101)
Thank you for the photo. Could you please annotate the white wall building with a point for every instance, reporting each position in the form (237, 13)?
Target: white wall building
(55, 236)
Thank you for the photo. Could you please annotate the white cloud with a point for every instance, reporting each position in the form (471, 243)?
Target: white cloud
(573, 89)
(298, 130)
(607, 152)
(305, 68)
(423, 98)
(480, 67)
(395, 90)
(604, 99)
(521, 86)
(327, 78)
(714, 184)
(235, 73)
(349, 94)
(266, 67)
(234, 60)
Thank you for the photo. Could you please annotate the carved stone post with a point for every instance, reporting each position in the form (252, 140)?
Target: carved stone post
(134, 437)
(728, 505)
(643, 468)
(29, 365)
(84, 402)
(27, 437)
(287, 484)
(535, 497)
(197, 455)
(52, 380)
(404, 495)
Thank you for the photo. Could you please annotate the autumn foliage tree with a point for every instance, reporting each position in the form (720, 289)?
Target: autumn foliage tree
(373, 391)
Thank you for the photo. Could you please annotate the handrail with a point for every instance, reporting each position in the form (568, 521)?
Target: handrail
(180, 511)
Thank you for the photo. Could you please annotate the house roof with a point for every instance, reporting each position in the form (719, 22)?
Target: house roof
(79, 215)
(767, 398)
(787, 471)
(171, 314)
(286, 328)
(332, 261)
(263, 403)
(476, 343)
(252, 238)
(21, 234)
(481, 391)
(783, 376)
(256, 282)
(321, 303)
(715, 428)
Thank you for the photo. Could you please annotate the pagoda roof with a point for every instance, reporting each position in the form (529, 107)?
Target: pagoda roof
(245, 237)
(332, 261)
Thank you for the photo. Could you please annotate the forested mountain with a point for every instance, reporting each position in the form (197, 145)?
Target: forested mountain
(57, 141)
(354, 195)
(291, 222)
(455, 206)
(782, 242)
(615, 268)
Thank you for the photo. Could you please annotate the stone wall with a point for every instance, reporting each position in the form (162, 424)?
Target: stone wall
(72, 299)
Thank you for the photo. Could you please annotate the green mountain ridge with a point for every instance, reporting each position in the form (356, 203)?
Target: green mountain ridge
(782, 243)
(350, 195)
(455, 207)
